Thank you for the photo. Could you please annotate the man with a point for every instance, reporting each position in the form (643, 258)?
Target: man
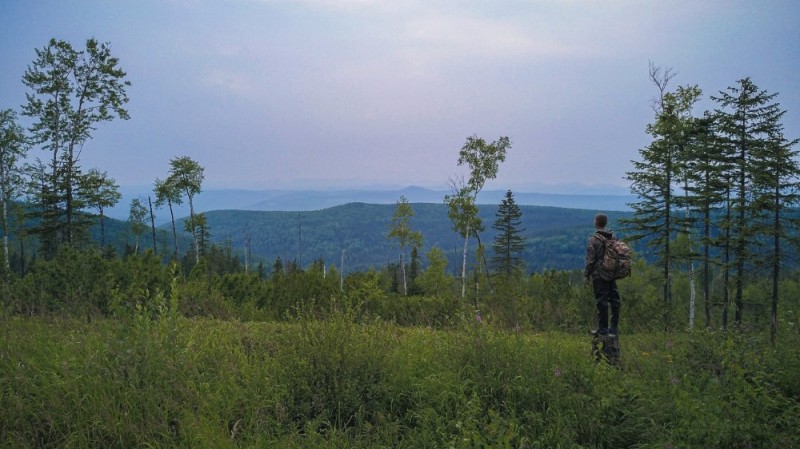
(605, 291)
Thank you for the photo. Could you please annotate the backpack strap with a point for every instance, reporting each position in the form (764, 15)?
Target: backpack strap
(599, 256)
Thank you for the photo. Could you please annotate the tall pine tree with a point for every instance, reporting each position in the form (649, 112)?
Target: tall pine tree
(749, 120)
(654, 181)
(509, 244)
(706, 186)
(775, 179)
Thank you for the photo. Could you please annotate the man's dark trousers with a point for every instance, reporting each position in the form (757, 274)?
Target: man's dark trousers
(606, 294)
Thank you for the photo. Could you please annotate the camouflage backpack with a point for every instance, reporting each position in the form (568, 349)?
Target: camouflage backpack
(616, 262)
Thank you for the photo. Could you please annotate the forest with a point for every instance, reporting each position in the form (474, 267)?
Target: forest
(409, 325)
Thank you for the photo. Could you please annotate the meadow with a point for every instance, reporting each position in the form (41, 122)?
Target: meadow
(348, 381)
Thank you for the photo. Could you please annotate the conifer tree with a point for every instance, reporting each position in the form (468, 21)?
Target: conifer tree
(654, 180)
(13, 148)
(414, 270)
(704, 169)
(749, 121)
(686, 97)
(509, 243)
(776, 179)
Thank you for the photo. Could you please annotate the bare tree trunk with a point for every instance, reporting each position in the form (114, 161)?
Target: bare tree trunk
(174, 231)
(776, 270)
(706, 274)
(485, 264)
(5, 234)
(403, 274)
(247, 254)
(102, 230)
(194, 231)
(152, 224)
(726, 260)
(692, 294)
(464, 266)
(341, 273)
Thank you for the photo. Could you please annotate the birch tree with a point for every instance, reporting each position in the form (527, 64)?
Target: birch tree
(167, 193)
(100, 191)
(187, 176)
(483, 160)
(70, 93)
(136, 218)
(400, 230)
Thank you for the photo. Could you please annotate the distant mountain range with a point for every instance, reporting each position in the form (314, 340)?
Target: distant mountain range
(312, 200)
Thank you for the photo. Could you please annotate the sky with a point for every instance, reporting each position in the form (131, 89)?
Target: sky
(296, 94)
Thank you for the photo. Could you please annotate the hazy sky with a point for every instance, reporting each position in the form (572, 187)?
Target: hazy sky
(308, 93)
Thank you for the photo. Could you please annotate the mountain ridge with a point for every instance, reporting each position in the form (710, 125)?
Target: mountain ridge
(288, 200)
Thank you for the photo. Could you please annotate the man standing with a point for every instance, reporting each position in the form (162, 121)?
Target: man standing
(605, 290)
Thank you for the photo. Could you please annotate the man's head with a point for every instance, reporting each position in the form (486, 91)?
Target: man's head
(600, 221)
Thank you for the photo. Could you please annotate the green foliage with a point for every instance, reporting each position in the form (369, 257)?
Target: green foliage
(137, 217)
(70, 92)
(186, 176)
(159, 380)
(434, 280)
(100, 191)
(336, 370)
(86, 283)
(400, 230)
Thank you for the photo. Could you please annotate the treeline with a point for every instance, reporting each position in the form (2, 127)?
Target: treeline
(717, 189)
(555, 238)
(89, 285)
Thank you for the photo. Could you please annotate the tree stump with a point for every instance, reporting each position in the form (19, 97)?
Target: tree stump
(605, 347)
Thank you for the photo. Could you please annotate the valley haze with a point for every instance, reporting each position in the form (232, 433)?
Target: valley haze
(603, 198)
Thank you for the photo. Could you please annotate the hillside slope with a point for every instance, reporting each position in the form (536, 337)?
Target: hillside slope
(357, 232)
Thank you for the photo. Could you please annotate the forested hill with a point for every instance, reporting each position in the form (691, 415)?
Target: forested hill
(602, 197)
(357, 232)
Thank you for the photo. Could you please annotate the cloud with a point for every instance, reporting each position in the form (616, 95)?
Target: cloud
(229, 81)
(347, 5)
(467, 35)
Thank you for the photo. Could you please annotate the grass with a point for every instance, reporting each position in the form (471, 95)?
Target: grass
(343, 382)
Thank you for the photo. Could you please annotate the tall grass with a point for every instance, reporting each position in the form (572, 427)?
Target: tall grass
(159, 380)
